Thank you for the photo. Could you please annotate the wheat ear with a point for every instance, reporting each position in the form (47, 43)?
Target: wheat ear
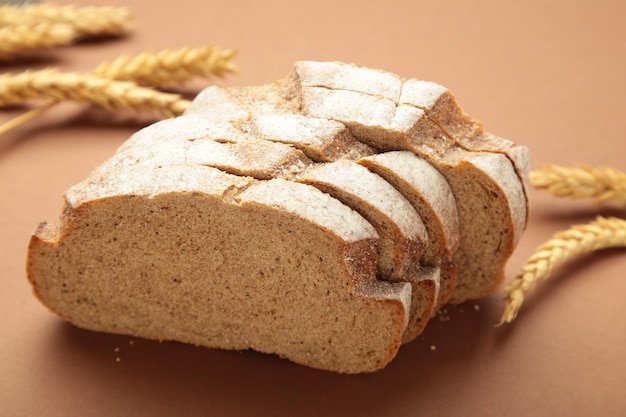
(16, 39)
(601, 184)
(87, 88)
(168, 66)
(566, 245)
(85, 21)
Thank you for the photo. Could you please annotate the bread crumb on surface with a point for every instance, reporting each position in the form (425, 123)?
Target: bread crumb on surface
(442, 315)
(118, 359)
(476, 307)
(433, 347)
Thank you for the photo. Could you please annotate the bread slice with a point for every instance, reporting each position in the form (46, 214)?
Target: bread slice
(492, 214)
(196, 255)
(429, 193)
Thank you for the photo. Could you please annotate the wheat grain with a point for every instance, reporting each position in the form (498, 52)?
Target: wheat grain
(85, 21)
(17, 39)
(86, 88)
(562, 247)
(601, 184)
(170, 65)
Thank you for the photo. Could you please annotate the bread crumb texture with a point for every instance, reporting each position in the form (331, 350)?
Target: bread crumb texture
(324, 218)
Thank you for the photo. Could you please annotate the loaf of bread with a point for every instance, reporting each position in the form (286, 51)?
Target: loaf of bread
(323, 218)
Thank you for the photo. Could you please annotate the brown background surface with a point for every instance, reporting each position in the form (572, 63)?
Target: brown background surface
(547, 74)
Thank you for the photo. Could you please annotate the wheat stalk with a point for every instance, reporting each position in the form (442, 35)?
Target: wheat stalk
(168, 66)
(149, 69)
(566, 245)
(87, 88)
(16, 39)
(24, 117)
(603, 184)
(85, 21)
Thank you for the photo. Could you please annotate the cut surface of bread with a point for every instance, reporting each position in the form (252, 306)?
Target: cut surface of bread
(321, 218)
(221, 261)
(491, 209)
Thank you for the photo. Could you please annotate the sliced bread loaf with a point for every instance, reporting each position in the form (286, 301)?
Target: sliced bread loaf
(282, 218)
